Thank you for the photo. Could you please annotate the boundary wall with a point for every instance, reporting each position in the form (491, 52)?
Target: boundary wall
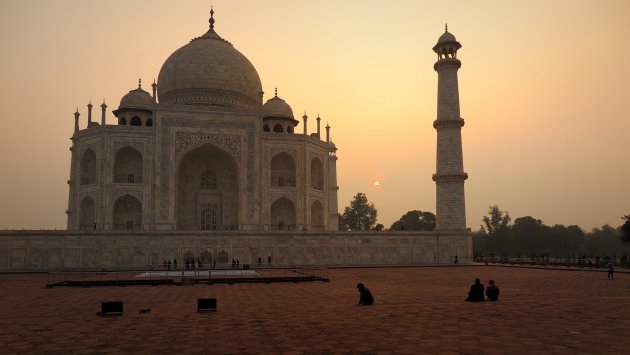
(33, 250)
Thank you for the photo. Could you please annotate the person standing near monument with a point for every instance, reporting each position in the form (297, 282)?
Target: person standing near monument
(611, 271)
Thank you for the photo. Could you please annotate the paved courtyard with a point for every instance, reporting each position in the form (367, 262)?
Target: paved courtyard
(417, 310)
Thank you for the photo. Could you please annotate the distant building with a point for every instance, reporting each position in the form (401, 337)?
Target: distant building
(202, 153)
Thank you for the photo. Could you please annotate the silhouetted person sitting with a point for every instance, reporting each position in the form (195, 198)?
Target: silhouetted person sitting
(366, 298)
(175, 264)
(492, 292)
(476, 292)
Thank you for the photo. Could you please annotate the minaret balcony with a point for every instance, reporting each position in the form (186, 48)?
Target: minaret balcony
(447, 63)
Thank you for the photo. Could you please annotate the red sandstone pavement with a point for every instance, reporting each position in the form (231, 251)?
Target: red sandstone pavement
(418, 310)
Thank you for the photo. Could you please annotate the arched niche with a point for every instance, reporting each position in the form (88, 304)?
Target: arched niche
(278, 128)
(128, 166)
(149, 122)
(127, 213)
(87, 214)
(283, 214)
(223, 257)
(289, 129)
(266, 128)
(317, 174)
(196, 203)
(135, 121)
(317, 215)
(88, 168)
(122, 121)
(283, 170)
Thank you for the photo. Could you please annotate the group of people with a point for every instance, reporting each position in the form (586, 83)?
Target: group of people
(191, 264)
(476, 293)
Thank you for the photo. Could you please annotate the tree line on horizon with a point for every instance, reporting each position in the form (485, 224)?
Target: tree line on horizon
(498, 236)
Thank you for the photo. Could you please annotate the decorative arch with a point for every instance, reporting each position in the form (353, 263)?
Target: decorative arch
(127, 213)
(122, 121)
(87, 214)
(283, 170)
(289, 129)
(266, 128)
(128, 166)
(223, 257)
(149, 122)
(205, 257)
(199, 206)
(317, 215)
(88, 168)
(278, 128)
(283, 214)
(135, 121)
(317, 174)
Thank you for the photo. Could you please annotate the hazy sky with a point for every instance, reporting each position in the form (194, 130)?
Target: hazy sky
(544, 89)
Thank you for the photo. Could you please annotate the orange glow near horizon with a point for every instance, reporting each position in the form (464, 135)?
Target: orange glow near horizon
(543, 90)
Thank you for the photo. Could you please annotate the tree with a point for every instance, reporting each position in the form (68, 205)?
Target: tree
(625, 230)
(415, 221)
(360, 215)
(498, 223)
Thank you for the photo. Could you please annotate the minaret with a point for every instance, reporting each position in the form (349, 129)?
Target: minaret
(327, 133)
(154, 86)
(305, 118)
(318, 121)
(103, 108)
(450, 176)
(76, 120)
(89, 106)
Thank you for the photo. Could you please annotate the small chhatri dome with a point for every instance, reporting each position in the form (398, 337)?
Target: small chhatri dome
(137, 99)
(447, 39)
(208, 70)
(277, 107)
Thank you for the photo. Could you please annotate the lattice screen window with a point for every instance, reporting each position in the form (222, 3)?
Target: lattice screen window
(131, 178)
(208, 217)
(208, 180)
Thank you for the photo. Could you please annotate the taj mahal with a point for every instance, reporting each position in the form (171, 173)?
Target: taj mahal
(201, 166)
(208, 155)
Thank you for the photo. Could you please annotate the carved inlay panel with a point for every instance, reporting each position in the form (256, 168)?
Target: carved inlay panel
(135, 145)
(274, 196)
(275, 151)
(135, 193)
(185, 140)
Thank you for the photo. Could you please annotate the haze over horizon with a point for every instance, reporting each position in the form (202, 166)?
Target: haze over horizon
(543, 89)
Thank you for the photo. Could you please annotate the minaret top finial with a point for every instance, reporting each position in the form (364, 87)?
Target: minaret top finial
(446, 27)
(211, 18)
(139, 83)
(276, 91)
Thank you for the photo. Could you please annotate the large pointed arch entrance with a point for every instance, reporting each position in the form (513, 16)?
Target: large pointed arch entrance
(207, 190)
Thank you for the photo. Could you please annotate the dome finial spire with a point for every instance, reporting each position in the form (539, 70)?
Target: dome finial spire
(276, 91)
(446, 27)
(211, 18)
(139, 83)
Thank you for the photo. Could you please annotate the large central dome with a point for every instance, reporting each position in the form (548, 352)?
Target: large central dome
(208, 70)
